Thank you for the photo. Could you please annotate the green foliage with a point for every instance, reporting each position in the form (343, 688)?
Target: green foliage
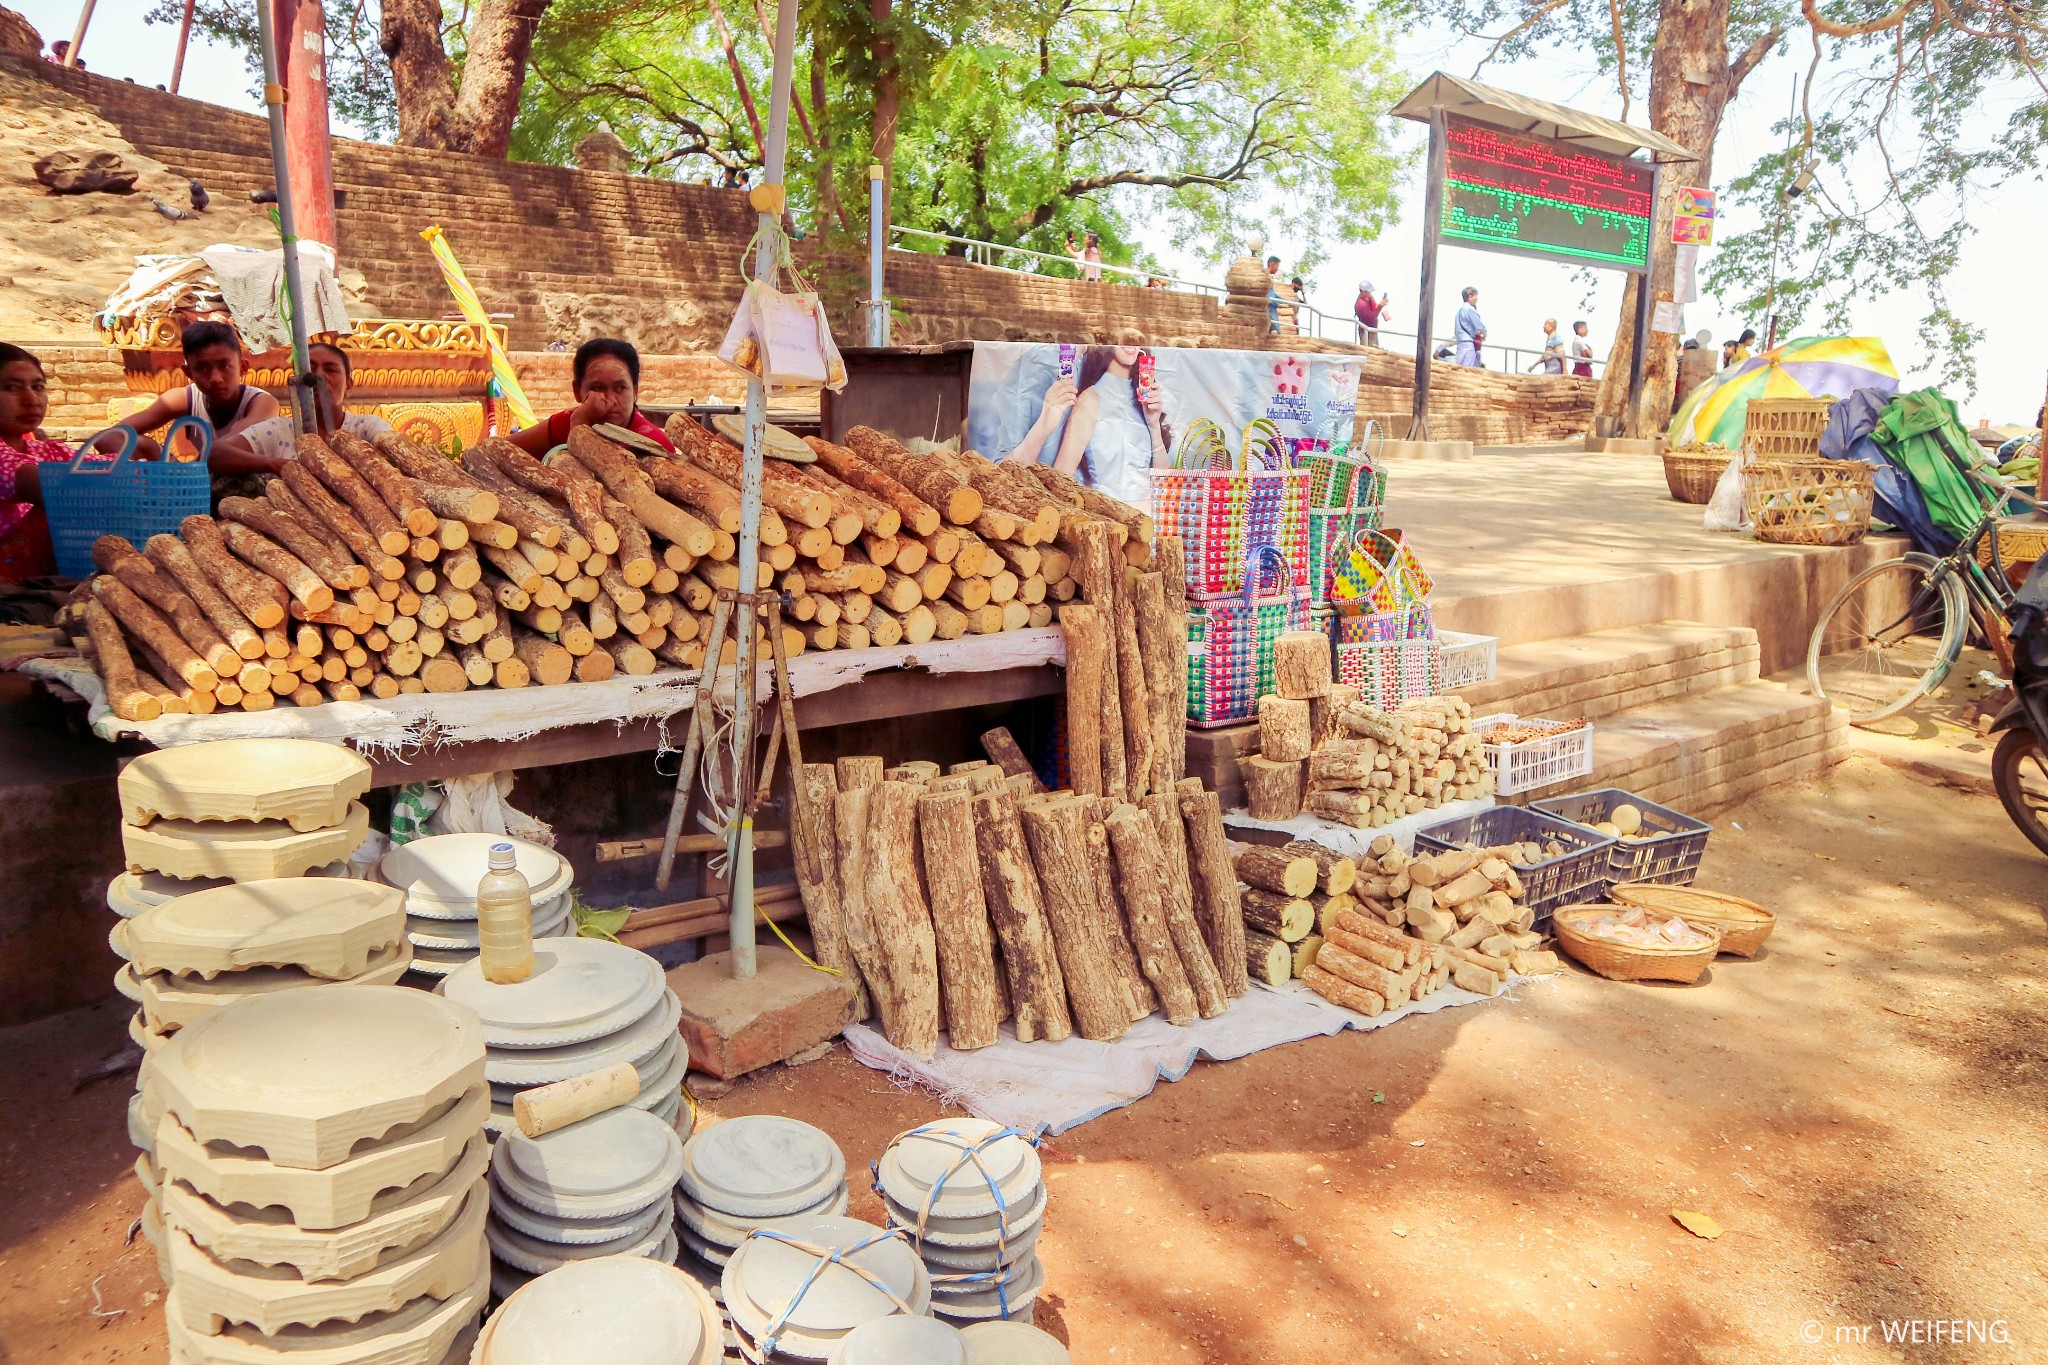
(358, 77)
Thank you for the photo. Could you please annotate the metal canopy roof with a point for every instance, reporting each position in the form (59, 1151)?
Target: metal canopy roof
(1521, 114)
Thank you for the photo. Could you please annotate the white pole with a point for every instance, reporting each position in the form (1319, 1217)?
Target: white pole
(768, 199)
(878, 241)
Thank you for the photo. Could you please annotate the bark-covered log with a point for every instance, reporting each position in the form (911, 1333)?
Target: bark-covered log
(1287, 918)
(297, 490)
(1301, 664)
(1272, 790)
(1097, 566)
(1134, 692)
(860, 770)
(1038, 994)
(1109, 912)
(1338, 991)
(967, 965)
(1179, 901)
(1273, 869)
(1335, 873)
(850, 819)
(621, 475)
(341, 479)
(334, 564)
(1001, 747)
(902, 920)
(1285, 732)
(392, 488)
(1267, 959)
(115, 555)
(144, 622)
(1141, 878)
(171, 555)
(1057, 827)
(1157, 627)
(1218, 908)
(129, 699)
(257, 596)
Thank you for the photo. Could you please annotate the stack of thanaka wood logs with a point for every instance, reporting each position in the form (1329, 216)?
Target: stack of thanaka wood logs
(955, 902)
(1372, 934)
(1358, 765)
(379, 568)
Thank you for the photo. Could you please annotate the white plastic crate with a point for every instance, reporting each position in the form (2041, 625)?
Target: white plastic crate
(1467, 659)
(1560, 756)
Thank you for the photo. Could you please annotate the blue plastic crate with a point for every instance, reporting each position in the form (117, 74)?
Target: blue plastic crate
(1669, 857)
(1580, 875)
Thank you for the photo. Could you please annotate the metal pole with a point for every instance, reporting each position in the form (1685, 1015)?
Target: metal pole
(1432, 237)
(878, 241)
(78, 34)
(184, 36)
(305, 401)
(767, 200)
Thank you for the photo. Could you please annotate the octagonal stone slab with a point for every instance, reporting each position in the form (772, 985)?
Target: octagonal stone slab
(244, 851)
(324, 926)
(303, 782)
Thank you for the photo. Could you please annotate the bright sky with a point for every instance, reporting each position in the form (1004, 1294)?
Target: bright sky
(1516, 293)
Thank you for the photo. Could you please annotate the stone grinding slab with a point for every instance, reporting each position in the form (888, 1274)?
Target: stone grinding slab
(761, 1166)
(929, 1169)
(634, 1043)
(985, 1231)
(617, 1310)
(722, 1230)
(143, 1036)
(903, 1341)
(604, 1167)
(268, 1300)
(661, 1081)
(442, 913)
(438, 962)
(303, 782)
(170, 1003)
(1014, 1343)
(325, 926)
(396, 1219)
(447, 867)
(424, 1332)
(578, 1232)
(537, 1257)
(581, 988)
(305, 1075)
(462, 935)
(243, 852)
(944, 1260)
(336, 1196)
(980, 1300)
(764, 1278)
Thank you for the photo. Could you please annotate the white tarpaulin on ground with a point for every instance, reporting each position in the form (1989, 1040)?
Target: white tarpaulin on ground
(405, 721)
(1353, 842)
(1051, 1087)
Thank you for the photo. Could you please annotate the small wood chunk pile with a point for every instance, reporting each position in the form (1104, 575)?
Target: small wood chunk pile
(375, 568)
(962, 900)
(1384, 765)
(1374, 934)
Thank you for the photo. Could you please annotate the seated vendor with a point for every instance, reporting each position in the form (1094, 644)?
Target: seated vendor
(24, 530)
(216, 396)
(606, 382)
(264, 447)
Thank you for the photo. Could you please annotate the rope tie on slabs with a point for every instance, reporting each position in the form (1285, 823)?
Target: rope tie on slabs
(970, 1155)
(826, 1256)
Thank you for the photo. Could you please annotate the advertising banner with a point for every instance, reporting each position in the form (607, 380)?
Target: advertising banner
(1105, 414)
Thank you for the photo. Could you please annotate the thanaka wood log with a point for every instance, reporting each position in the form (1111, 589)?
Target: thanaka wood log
(1338, 991)
(596, 666)
(960, 920)
(127, 696)
(1003, 750)
(1217, 904)
(395, 491)
(473, 507)
(936, 482)
(902, 919)
(565, 480)
(1380, 954)
(116, 556)
(1113, 925)
(851, 817)
(299, 491)
(257, 596)
(1287, 918)
(334, 566)
(144, 622)
(1285, 734)
(1134, 694)
(1141, 881)
(781, 489)
(688, 486)
(1301, 664)
(1095, 566)
(1156, 628)
(1010, 887)
(815, 853)
(1057, 829)
(622, 477)
(1339, 961)
(1267, 960)
(1272, 790)
(171, 555)
(860, 770)
(1178, 900)
(1335, 873)
(913, 512)
(342, 481)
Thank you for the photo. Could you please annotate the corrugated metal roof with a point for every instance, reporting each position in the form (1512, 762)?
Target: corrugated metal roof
(1519, 113)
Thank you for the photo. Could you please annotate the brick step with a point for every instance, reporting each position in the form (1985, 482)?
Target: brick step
(1609, 671)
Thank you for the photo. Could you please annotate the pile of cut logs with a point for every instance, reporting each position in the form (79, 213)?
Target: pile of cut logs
(378, 568)
(957, 901)
(1376, 933)
(1339, 759)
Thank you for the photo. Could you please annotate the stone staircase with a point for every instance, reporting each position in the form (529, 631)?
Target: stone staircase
(1680, 716)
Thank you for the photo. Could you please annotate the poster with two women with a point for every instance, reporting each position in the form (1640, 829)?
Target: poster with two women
(1106, 414)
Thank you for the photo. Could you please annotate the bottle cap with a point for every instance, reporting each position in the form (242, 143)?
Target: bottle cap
(503, 858)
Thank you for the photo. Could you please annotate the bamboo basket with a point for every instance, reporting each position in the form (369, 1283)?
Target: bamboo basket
(1808, 502)
(1631, 961)
(1692, 474)
(1785, 428)
(1744, 925)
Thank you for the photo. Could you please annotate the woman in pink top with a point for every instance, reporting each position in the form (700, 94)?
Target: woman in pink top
(24, 531)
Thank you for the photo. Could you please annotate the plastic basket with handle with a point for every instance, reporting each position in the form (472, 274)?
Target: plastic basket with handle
(1224, 508)
(136, 499)
(1230, 641)
(1342, 474)
(1666, 850)
(1389, 657)
(1380, 574)
(1558, 752)
(1334, 532)
(1468, 659)
(1577, 874)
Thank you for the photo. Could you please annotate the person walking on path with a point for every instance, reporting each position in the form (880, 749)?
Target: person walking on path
(1551, 359)
(1371, 312)
(1272, 293)
(1582, 351)
(1469, 329)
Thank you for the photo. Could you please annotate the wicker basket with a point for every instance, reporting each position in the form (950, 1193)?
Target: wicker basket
(1744, 925)
(1630, 961)
(1691, 474)
(1785, 428)
(1808, 502)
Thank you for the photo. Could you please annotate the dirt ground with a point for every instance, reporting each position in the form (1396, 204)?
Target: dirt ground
(1860, 1108)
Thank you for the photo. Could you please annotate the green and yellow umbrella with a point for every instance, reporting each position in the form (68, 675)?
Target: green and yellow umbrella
(1804, 367)
(473, 311)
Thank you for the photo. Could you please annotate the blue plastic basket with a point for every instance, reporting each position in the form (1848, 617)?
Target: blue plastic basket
(1670, 845)
(137, 499)
(1578, 874)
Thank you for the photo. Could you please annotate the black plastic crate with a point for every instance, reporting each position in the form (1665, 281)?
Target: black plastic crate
(1670, 858)
(1580, 875)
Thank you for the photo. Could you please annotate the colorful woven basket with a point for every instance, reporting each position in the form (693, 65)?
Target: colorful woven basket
(1230, 641)
(1223, 510)
(1381, 574)
(1389, 656)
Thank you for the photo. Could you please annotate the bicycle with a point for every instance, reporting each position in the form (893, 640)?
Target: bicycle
(1894, 631)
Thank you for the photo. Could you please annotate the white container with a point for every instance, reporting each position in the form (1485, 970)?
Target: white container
(1467, 659)
(1562, 754)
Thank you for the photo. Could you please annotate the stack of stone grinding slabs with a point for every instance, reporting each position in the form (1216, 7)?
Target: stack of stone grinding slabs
(439, 875)
(322, 1193)
(796, 1290)
(615, 1310)
(1013, 1343)
(970, 1196)
(599, 1187)
(589, 1004)
(903, 1341)
(760, 1170)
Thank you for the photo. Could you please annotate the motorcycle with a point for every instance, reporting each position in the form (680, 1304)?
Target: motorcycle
(2019, 765)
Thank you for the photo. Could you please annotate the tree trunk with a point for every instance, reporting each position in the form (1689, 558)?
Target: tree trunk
(476, 114)
(830, 206)
(882, 55)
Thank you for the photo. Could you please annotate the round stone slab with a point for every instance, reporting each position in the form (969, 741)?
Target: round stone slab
(543, 908)
(303, 782)
(761, 1166)
(326, 926)
(175, 1002)
(1014, 1343)
(397, 1219)
(579, 1232)
(606, 1166)
(581, 988)
(903, 1341)
(941, 1260)
(621, 1310)
(304, 1075)
(985, 1231)
(767, 1276)
(131, 893)
(217, 1295)
(1015, 1298)
(462, 934)
(447, 868)
(243, 852)
(722, 1230)
(929, 1170)
(421, 1333)
(635, 1043)
(537, 1257)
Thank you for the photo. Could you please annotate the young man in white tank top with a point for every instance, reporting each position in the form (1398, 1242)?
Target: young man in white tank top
(216, 396)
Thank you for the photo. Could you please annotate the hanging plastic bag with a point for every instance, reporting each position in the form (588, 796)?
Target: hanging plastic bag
(1726, 510)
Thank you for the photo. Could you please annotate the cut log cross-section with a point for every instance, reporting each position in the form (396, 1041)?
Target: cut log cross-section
(1038, 995)
(1273, 869)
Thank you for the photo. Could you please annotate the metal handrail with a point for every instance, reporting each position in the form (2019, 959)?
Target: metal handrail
(1324, 326)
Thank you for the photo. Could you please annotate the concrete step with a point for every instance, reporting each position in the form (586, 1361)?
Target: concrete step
(1609, 671)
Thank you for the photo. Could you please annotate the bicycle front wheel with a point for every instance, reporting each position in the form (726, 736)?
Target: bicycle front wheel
(1888, 638)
